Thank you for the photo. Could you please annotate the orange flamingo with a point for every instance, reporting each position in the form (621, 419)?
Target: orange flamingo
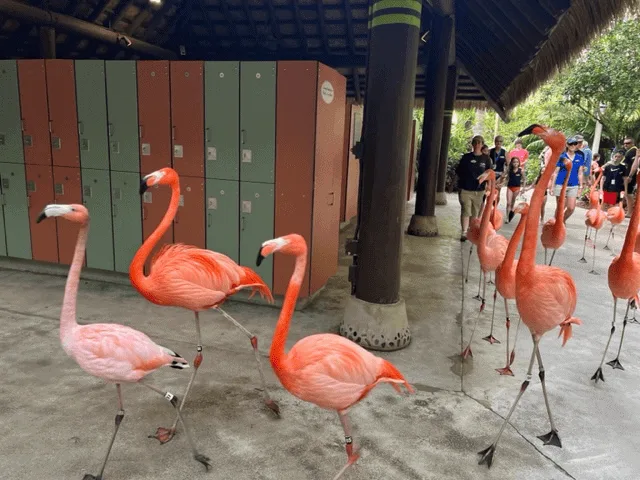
(112, 352)
(594, 194)
(545, 296)
(554, 230)
(594, 218)
(624, 282)
(491, 250)
(615, 215)
(325, 369)
(506, 281)
(192, 278)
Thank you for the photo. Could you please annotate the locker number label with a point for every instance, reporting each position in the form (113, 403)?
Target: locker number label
(115, 147)
(84, 144)
(212, 203)
(246, 206)
(86, 191)
(28, 141)
(212, 153)
(178, 151)
(59, 189)
(146, 197)
(246, 155)
(181, 202)
(326, 91)
(31, 186)
(146, 149)
(56, 143)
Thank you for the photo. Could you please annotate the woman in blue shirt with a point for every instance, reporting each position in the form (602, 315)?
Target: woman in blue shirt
(575, 177)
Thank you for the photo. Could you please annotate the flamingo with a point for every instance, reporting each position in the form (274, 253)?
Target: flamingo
(554, 230)
(594, 218)
(192, 278)
(115, 353)
(594, 194)
(491, 250)
(325, 369)
(624, 282)
(545, 296)
(506, 281)
(615, 215)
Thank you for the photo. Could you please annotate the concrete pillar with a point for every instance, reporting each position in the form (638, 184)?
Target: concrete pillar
(375, 317)
(449, 101)
(423, 222)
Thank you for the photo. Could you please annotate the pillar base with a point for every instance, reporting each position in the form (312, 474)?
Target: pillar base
(441, 198)
(420, 226)
(383, 327)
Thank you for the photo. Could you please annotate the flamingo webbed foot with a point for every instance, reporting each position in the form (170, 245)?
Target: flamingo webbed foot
(551, 438)
(615, 363)
(477, 297)
(491, 339)
(593, 272)
(467, 352)
(583, 260)
(606, 247)
(487, 455)
(163, 435)
(273, 406)
(598, 375)
(505, 371)
(203, 459)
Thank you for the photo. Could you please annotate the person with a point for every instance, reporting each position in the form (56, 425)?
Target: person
(470, 167)
(575, 177)
(630, 179)
(498, 157)
(595, 163)
(588, 158)
(514, 186)
(523, 156)
(612, 181)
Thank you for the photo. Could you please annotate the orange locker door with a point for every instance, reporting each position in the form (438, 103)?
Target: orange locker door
(189, 221)
(35, 114)
(44, 240)
(154, 110)
(187, 117)
(61, 88)
(67, 189)
(155, 203)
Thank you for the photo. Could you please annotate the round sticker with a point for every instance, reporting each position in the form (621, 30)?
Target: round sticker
(258, 75)
(221, 75)
(326, 90)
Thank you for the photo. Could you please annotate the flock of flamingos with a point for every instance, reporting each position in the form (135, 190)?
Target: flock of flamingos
(325, 369)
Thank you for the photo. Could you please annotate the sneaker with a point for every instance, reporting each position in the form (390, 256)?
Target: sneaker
(463, 238)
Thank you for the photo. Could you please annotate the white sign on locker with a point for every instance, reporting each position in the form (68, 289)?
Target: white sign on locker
(246, 155)
(326, 91)
(212, 153)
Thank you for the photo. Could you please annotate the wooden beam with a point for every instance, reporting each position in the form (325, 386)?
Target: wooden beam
(483, 16)
(492, 103)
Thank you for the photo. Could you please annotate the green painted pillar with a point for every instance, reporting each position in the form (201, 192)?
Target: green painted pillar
(375, 317)
(449, 102)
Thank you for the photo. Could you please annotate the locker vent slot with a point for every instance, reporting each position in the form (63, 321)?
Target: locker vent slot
(59, 189)
(56, 143)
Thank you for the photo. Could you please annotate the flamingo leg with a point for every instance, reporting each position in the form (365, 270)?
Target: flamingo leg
(593, 264)
(545, 256)
(490, 282)
(273, 406)
(171, 398)
(352, 451)
(584, 247)
(507, 369)
(515, 340)
(119, 417)
(598, 375)
(478, 297)
(163, 435)
(552, 437)
(486, 455)
(490, 338)
(467, 351)
(466, 278)
(615, 363)
(553, 254)
(606, 245)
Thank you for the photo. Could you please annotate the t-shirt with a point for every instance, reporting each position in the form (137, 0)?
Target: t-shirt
(469, 168)
(515, 178)
(499, 158)
(629, 157)
(521, 153)
(574, 177)
(614, 177)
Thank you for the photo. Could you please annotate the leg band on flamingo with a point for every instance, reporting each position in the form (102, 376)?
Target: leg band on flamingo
(352, 451)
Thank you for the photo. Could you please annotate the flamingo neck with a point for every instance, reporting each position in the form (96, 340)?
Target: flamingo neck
(632, 231)
(510, 255)
(562, 200)
(486, 216)
(277, 355)
(136, 268)
(68, 314)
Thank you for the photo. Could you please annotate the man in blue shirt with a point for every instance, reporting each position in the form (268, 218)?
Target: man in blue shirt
(575, 182)
(588, 157)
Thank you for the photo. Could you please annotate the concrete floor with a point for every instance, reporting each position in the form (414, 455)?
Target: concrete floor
(57, 419)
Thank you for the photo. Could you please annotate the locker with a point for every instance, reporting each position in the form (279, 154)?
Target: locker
(34, 112)
(155, 202)
(122, 115)
(154, 109)
(67, 189)
(222, 119)
(187, 117)
(257, 121)
(127, 218)
(189, 221)
(96, 196)
(3, 240)
(92, 114)
(10, 132)
(16, 211)
(63, 115)
(223, 217)
(256, 226)
(44, 237)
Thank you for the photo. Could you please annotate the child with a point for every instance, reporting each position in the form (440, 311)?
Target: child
(612, 181)
(514, 186)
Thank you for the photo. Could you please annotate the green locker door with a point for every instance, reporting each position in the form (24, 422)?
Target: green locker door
(122, 115)
(257, 121)
(256, 226)
(96, 196)
(126, 211)
(92, 114)
(223, 217)
(10, 131)
(222, 119)
(16, 210)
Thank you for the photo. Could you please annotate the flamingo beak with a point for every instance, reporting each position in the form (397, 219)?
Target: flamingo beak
(260, 257)
(530, 130)
(41, 217)
(143, 185)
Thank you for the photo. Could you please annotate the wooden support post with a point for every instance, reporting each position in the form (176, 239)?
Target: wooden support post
(376, 316)
(423, 222)
(449, 101)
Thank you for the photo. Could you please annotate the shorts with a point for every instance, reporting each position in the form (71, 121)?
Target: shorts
(471, 202)
(610, 197)
(514, 189)
(572, 192)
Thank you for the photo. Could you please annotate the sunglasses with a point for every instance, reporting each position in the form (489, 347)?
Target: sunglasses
(572, 144)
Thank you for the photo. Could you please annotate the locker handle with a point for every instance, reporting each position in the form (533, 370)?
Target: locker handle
(206, 135)
(208, 219)
(139, 131)
(242, 223)
(173, 132)
(333, 196)
(114, 211)
(243, 136)
(50, 126)
(144, 212)
(176, 219)
(22, 124)
(81, 128)
(110, 128)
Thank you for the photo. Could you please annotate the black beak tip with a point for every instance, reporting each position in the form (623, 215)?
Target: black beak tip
(143, 186)
(41, 217)
(259, 259)
(528, 130)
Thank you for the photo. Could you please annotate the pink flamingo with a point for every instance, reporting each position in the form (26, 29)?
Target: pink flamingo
(112, 352)
(594, 218)
(615, 215)
(554, 231)
(192, 278)
(325, 369)
(545, 296)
